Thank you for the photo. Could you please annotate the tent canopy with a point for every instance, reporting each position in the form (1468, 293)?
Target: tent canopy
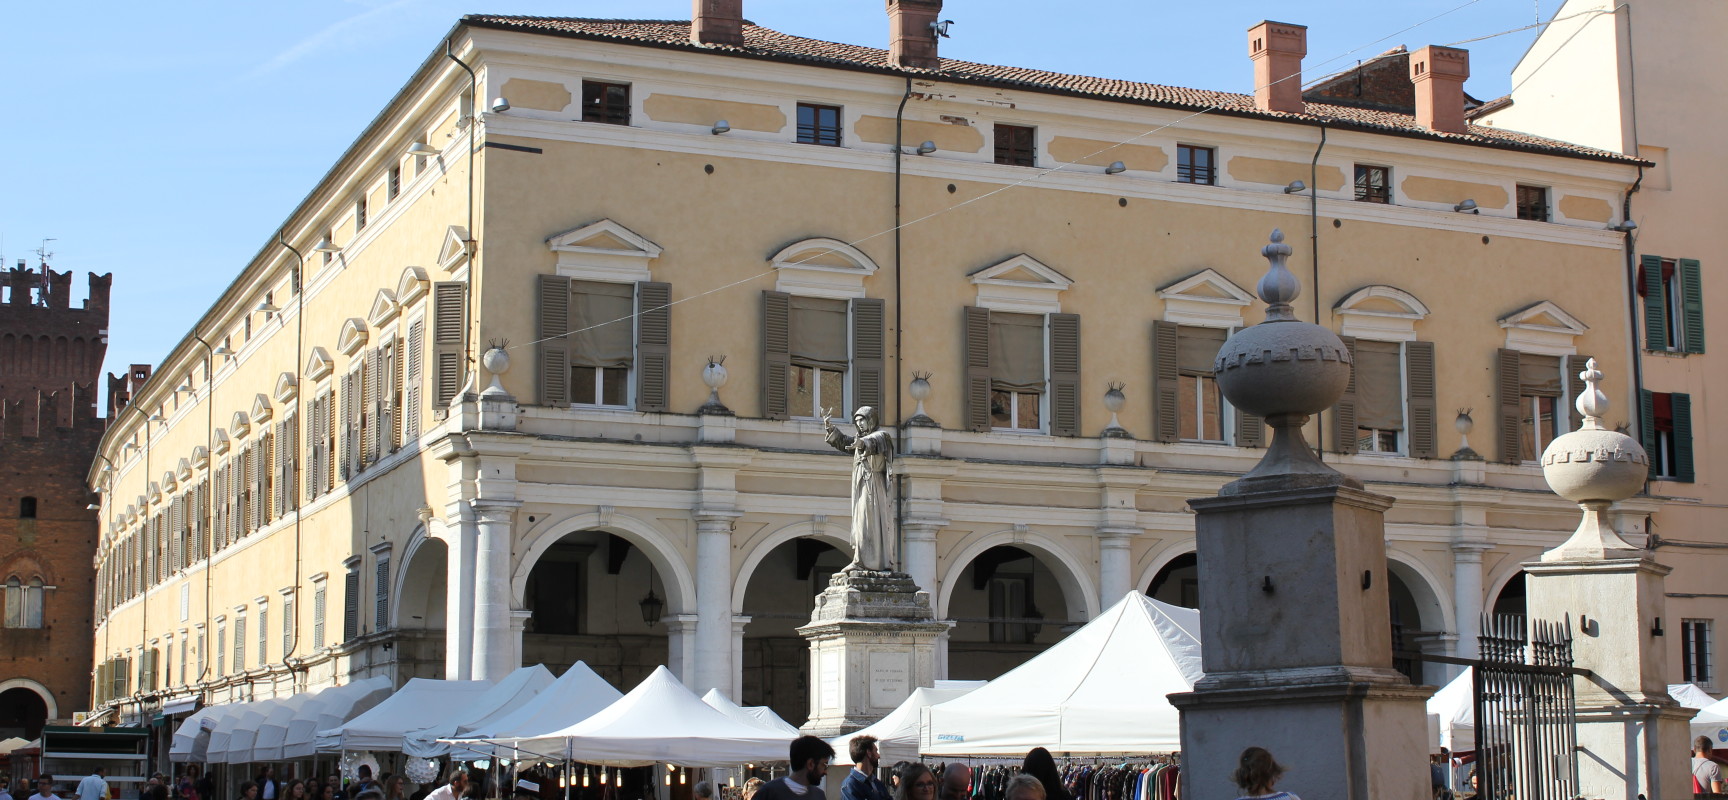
(1101, 690)
(231, 741)
(192, 738)
(761, 716)
(659, 721)
(897, 733)
(578, 694)
(423, 702)
(1712, 721)
(330, 708)
(1690, 696)
(514, 691)
(1455, 704)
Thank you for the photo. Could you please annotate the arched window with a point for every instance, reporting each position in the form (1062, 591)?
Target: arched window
(14, 603)
(23, 603)
(27, 508)
(35, 597)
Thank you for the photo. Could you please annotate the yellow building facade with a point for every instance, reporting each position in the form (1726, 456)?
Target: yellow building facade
(672, 256)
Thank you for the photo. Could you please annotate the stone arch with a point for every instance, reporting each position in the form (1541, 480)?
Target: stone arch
(675, 573)
(1079, 592)
(1496, 580)
(423, 569)
(38, 689)
(830, 532)
(1432, 600)
(1162, 558)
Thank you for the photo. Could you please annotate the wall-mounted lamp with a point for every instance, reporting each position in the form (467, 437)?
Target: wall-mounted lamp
(926, 148)
(1656, 627)
(186, 388)
(223, 351)
(500, 105)
(267, 308)
(325, 246)
(422, 149)
(1626, 226)
(1115, 167)
(1467, 207)
(1296, 186)
(126, 452)
(720, 126)
(652, 606)
(156, 417)
(95, 507)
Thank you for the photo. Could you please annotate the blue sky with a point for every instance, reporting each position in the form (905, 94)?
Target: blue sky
(165, 142)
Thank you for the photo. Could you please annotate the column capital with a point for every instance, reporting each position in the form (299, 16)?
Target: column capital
(708, 518)
(494, 510)
(923, 528)
(1117, 534)
(1470, 551)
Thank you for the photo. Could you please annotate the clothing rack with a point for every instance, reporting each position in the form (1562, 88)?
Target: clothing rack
(1084, 777)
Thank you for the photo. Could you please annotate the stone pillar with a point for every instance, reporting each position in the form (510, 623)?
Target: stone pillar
(872, 641)
(735, 690)
(459, 597)
(1467, 596)
(492, 637)
(713, 600)
(681, 646)
(918, 555)
(1114, 577)
(1632, 736)
(518, 623)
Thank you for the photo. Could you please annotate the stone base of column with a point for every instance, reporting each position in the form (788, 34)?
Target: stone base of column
(1337, 738)
(872, 641)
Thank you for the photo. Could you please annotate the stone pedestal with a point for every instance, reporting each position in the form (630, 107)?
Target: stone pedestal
(872, 641)
(1632, 737)
(1297, 653)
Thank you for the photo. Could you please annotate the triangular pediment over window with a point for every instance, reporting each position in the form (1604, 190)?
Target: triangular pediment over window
(1543, 328)
(603, 251)
(1205, 298)
(1022, 284)
(219, 439)
(353, 336)
(384, 308)
(318, 365)
(821, 267)
(454, 252)
(261, 410)
(184, 469)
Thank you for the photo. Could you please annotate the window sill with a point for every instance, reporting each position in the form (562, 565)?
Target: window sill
(599, 407)
(1213, 442)
(1020, 431)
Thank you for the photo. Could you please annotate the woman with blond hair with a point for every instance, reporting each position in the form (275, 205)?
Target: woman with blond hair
(1255, 773)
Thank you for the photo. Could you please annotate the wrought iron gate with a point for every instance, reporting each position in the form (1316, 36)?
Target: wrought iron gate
(1526, 712)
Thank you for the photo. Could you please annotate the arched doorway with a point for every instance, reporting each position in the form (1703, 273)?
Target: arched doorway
(1008, 606)
(23, 712)
(1510, 599)
(779, 595)
(1177, 582)
(594, 596)
(422, 609)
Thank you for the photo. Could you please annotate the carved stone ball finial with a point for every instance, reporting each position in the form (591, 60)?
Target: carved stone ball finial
(496, 360)
(1592, 403)
(1279, 287)
(1594, 467)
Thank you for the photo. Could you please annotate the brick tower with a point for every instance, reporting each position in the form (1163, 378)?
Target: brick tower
(50, 358)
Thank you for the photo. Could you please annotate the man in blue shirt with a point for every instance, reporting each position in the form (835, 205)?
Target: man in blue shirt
(861, 783)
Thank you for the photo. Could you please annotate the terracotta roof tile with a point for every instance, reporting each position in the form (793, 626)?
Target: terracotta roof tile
(760, 42)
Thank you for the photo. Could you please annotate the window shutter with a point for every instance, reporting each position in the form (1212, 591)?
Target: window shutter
(653, 345)
(1682, 437)
(345, 446)
(278, 455)
(450, 299)
(1573, 365)
(977, 331)
(416, 356)
(177, 528)
(381, 619)
(1647, 423)
(554, 340)
(1655, 304)
(1065, 374)
(776, 352)
(392, 391)
(1424, 409)
(1508, 383)
(1692, 303)
(371, 431)
(867, 349)
(1166, 381)
(351, 606)
(255, 485)
(1344, 413)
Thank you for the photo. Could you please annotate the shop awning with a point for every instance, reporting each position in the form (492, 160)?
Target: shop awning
(420, 704)
(180, 705)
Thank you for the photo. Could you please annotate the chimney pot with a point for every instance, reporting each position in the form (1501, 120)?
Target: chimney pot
(1439, 74)
(1277, 48)
(911, 35)
(717, 22)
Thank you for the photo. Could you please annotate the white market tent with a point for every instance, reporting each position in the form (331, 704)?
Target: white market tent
(422, 703)
(231, 741)
(1455, 705)
(328, 708)
(1689, 695)
(897, 733)
(1712, 721)
(761, 716)
(250, 732)
(578, 694)
(10, 744)
(512, 692)
(659, 721)
(192, 738)
(1101, 690)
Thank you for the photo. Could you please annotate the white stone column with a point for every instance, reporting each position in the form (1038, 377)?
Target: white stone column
(1467, 596)
(518, 623)
(681, 646)
(918, 556)
(492, 645)
(713, 600)
(735, 689)
(1114, 578)
(459, 597)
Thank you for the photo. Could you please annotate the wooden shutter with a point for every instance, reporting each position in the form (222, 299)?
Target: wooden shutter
(1655, 304)
(1065, 374)
(1647, 425)
(1344, 413)
(1166, 382)
(776, 352)
(381, 591)
(554, 340)
(867, 351)
(1508, 386)
(370, 430)
(255, 484)
(176, 528)
(276, 457)
(449, 304)
(1422, 420)
(315, 440)
(1691, 277)
(1682, 409)
(411, 397)
(1575, 388)
(653, 345)
(392, 391)
(351, 605)
(346, 445)
(977, 341)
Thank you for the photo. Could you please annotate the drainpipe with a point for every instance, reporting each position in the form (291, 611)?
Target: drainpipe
(899, 300)
(209, 494)
(470, 243)
(1314, 251)
(299, 381)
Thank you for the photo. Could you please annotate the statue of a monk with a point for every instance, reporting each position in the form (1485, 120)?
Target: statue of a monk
(875, 542)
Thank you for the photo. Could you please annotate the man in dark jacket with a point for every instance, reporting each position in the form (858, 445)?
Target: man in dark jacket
(809, 760)
(861, 783)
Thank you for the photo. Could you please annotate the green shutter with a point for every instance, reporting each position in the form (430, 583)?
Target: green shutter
(1344, 412)
(1682, 437)
(1692, 304)
(1647, 423)
(1655, 305)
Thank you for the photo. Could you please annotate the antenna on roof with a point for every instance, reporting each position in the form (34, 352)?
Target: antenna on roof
(42, 253)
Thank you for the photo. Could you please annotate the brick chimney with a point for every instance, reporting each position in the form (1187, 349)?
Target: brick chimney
(911, 36)
(1277, 49)
(717, 22)
(1439, 74)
